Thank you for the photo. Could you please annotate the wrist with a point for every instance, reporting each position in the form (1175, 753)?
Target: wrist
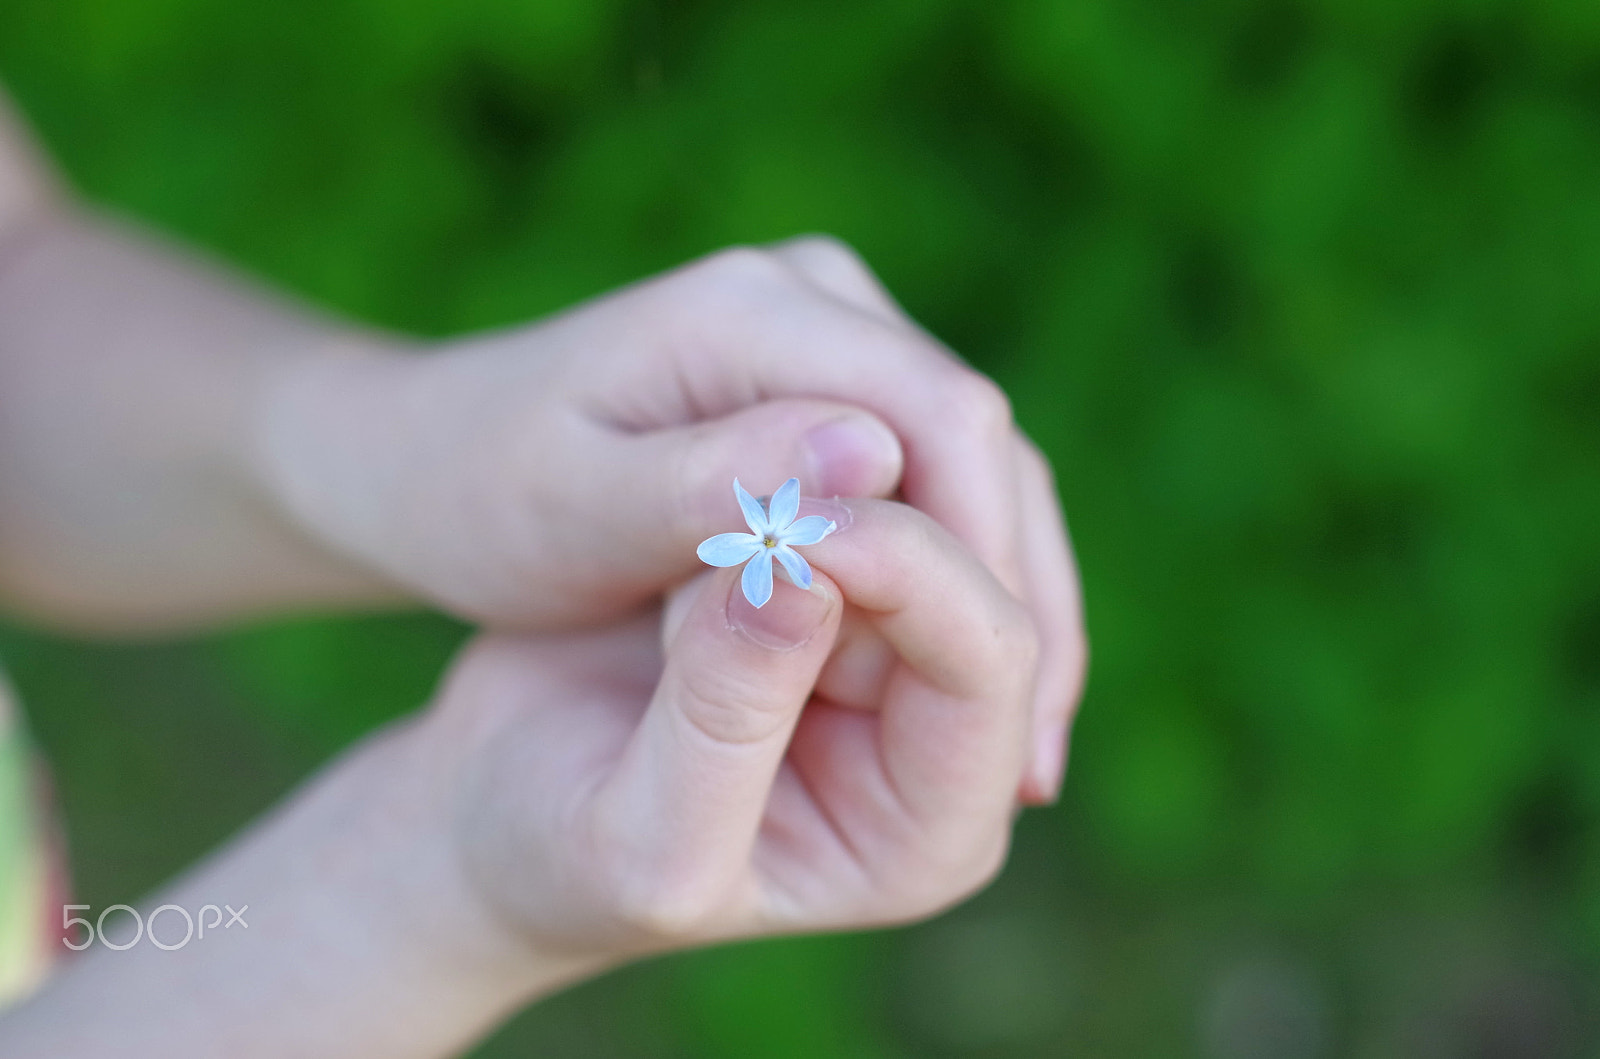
(361, 937)
(134, 423)
(318, 454)
(423, 903)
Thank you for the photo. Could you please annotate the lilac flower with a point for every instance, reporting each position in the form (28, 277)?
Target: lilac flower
(775, 533)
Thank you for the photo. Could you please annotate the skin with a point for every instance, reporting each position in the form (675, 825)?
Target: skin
(598, 777)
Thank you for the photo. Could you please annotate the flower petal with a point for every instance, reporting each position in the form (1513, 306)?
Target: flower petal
(794, 565)
(754, 514)
(808, 530)
(785, 505)
(757, 579)
(728, 549)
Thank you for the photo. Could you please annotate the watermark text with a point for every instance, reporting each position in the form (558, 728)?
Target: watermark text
(194, 927)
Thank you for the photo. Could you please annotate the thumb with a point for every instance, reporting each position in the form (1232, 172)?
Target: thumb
(683, 805)
(682, 475)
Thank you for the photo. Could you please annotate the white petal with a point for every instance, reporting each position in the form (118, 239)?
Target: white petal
(753, 513)
(794, 565)
(808, 530)
(757, 578)
(728, 549)
(785, 505)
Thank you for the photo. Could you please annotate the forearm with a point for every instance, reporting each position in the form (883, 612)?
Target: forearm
(131, 378)
(362, 938)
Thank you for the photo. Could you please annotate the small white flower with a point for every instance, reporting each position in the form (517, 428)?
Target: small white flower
(775, 533)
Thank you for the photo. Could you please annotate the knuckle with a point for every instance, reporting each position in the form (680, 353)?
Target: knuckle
(656, 895)
(1023, 647)
(697, 475)
(728, 284)
(978, 404)
(840, 271)
(1077, 650)
(743, 265)
(829, 250)
(663, 910)
(946, 876)
(727, 708)
(984, 860)
(1036, 465)
(1005, 662)
(990, 860)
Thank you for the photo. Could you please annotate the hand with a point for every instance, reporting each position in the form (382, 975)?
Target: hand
(840, 758)
(564, 472)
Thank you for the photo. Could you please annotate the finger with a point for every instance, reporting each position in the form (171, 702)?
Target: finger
(665, 491)
(854, 675)
(679, 604)
(1056, 601)
(858, 671)
(858, 666)
(1052, 588)
(757, 334)
(955, 715)
(835, 269)
(686, 798)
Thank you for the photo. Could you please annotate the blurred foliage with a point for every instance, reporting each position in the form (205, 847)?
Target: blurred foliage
(1300, 296)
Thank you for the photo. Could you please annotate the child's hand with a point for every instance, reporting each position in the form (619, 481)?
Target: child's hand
(608, 805)
(564, 472)
(840, 758)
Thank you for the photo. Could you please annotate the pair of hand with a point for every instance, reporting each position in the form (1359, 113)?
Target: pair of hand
(845, 756)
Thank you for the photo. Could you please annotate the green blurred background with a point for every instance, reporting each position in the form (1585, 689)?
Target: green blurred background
(1303, 299)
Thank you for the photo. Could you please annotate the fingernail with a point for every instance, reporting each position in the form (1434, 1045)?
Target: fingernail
(788, 620)
(834, 510)
(849, 456)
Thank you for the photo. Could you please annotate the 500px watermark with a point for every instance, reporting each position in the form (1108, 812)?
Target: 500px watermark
(143, 928)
